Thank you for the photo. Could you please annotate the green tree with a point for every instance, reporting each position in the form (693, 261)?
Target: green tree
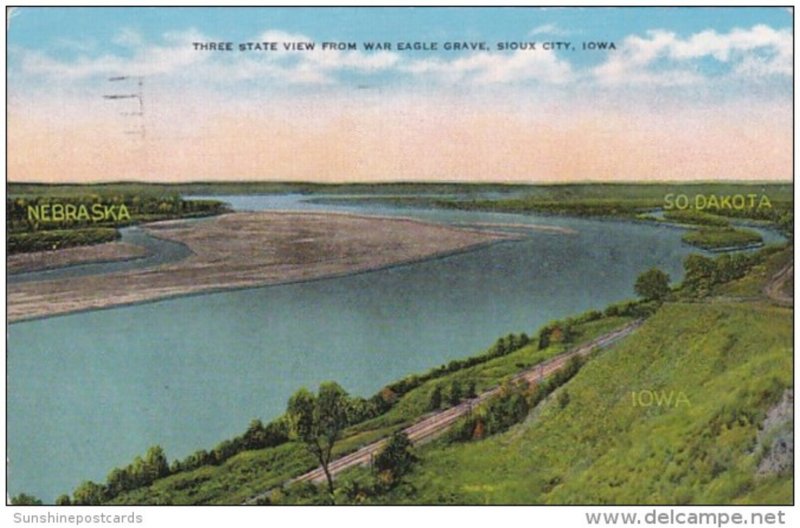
(23, 499)
(89, 494)
(318, 420)
(505, 409)
(544, 338)
(118, 481)
(396, 457)
(63, 500)
(652, 285)
(256, 435)
(223, 451)
(471, 392)
(455, 394)
(156, 463)
(435, 399)
(701, 274)
(513, 344)
(732, 266)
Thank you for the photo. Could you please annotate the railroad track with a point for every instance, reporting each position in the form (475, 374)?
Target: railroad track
(433, 425)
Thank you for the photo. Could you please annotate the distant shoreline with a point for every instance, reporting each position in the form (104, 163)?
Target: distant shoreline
(698, 181)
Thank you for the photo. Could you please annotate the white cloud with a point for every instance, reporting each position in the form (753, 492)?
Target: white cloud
(37, 63)
(11, 12)
(659, 58)
(146, 59)
(176, 56)
(78, 45)
(662, 57)
(724, 46)
(128, 38)
(549, 29)
(490, 68)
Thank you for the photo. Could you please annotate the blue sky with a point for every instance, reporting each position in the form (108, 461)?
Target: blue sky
(46, 27)
(676, 73)
(73, 34)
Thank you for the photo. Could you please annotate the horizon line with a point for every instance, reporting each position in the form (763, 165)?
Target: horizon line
(409, 182)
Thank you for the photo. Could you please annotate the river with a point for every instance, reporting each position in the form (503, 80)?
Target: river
(89, 391)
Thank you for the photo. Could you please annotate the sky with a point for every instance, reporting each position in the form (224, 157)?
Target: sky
(687, 94)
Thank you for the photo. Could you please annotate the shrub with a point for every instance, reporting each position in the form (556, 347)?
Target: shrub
(397, 457)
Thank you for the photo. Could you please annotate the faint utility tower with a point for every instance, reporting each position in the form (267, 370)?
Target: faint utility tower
(138, 95)
(133, 89)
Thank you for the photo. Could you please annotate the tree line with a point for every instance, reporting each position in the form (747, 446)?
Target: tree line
(143, 471)
(140, 207)
(27, 234)
(59, 239)
(703, 273)
(582, 207)
(512, 404)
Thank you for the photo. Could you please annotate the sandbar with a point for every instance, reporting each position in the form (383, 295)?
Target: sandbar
(241, 250)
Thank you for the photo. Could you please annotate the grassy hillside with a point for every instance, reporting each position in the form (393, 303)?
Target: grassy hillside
(725, 364)
(751, 285)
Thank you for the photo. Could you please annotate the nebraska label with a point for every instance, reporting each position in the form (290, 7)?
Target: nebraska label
(57, 212)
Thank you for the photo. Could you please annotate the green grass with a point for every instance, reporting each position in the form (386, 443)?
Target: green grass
(689, 216)
(752, 284)
(788, 286)
(767, 490)
(59, 239)
(731, 361)
(722, 238)
(232, 482)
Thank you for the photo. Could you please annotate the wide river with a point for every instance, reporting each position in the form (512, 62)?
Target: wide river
(89, 391)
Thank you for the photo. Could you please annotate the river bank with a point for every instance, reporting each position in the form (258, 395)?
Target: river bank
(45, 260)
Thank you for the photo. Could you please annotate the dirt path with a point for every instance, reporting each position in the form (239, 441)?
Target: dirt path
(774, 288)
(435, 424)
